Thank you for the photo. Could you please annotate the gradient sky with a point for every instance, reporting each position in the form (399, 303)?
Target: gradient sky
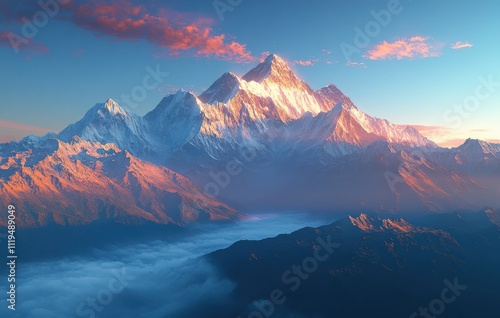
(419, 68)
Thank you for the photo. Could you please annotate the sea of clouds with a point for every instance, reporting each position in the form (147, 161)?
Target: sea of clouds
(154, 280)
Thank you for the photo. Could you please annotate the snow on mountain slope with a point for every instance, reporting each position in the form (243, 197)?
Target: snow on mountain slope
(330, 95)
(81, 182)
(273, 112)
(256, 111)
(475, 149)
(473, 156)
(175, 121)
(108, 122)
(222, 90)
(269, 91)
(310, 149)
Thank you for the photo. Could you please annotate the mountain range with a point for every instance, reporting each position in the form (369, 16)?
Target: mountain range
(265, 140)
(367, 265)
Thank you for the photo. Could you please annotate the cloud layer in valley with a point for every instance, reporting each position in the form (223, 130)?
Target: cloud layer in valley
(162, 279)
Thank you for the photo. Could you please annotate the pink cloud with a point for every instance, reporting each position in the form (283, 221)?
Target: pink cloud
(443, 136)
(451, 143)
(414, 47)
(433, 130)
(449, 137)
(125, 21)
(460, 45)
(493, 141)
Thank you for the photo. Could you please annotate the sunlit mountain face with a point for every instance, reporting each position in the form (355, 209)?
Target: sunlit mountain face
(263, 141)
(249, 159)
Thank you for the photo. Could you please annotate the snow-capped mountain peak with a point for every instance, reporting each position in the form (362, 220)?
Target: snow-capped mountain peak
(331, 94)
(222, 90)
(113, 108)
(255, 110)
(275, 70)
(107, 122)
(303, 139)
(478, 146)
(273, 65)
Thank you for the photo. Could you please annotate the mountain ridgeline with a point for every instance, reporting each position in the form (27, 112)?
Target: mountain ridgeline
(437, 265)
(263, 141)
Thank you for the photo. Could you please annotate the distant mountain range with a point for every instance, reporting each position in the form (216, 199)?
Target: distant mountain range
(368, 266)
(266, 140)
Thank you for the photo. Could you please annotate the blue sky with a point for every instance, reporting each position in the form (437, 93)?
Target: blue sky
(427, 63)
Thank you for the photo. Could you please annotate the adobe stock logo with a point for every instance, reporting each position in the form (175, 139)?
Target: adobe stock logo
(104, 297)
(417, 159)
(233, 168)
(362, 37)
(139, 93)
(483, 91)
(222, 6)
(436, 307)
(293, 278)
(40, 19)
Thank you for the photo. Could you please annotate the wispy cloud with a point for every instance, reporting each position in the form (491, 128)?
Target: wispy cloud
(313, 61)
(461, 45)
(177, 32)
(78, 52)
(309, 62)
(452, 143)
(23, 127)
(356, 64)
(263, 56)
(443, 136)
(449, 137)
(169, 89)
(15, 41)
(414, 47)
(425, 129)
(10, 130)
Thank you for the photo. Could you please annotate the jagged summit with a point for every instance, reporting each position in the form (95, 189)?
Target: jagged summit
(272, 65)
(321, 142)
(331, 92)
(249, 111)
(368, 223)
(478, 146)
(222, 90)
(111, 107)
(273, 69)
(107, 122)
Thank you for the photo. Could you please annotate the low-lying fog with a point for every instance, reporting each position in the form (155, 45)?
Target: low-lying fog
(154, 280)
